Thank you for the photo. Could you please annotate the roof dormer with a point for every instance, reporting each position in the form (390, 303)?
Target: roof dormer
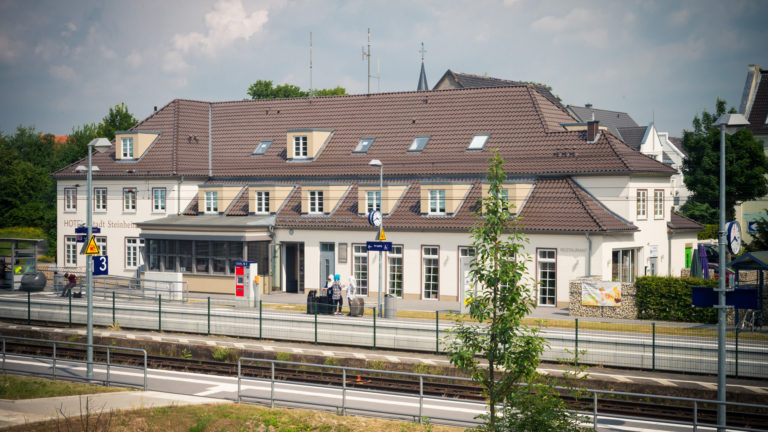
(306, 144)
(131, 145)
(214, 199)
(368, 197)
(443, 198)
(515, 192)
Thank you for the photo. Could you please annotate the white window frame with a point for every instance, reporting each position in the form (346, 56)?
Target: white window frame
(70, 199)
(419, 143)
(262, 147)
(127, 148)
(261, 199)
(436, 201)
(70, 251)
(133, 247)
(360, 268)
(300, 146)
(430, 261)
(129, 200)
(315, 205)
(546, 262)
(642, 204)
(212, 202)
(395, 271)
(100, 199)
(617, 275)
(372, 201)
(658, 203)
(363, 145)
(159, 200)
(101, 243)
(478, 142)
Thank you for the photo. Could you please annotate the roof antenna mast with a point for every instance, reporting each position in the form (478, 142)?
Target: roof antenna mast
(368, 54)
(310, 66)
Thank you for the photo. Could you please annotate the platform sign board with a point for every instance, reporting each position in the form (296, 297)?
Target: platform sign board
(100, 265)
(84, 230)
(752, 227)
(379, 246)
(739, 298)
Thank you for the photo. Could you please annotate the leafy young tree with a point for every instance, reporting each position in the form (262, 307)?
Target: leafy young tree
(745, 167)
(118, 119)
(501, 301)
(263, 89)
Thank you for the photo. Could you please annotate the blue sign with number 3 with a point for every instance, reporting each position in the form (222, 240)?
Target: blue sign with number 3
(100, 265)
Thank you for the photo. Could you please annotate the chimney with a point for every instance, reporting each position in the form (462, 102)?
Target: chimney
(589, 105)
(155, 107)
(593, 128)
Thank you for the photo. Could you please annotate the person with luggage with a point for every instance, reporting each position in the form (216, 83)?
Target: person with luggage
(351, 293)
(336, 295)
(71, 282)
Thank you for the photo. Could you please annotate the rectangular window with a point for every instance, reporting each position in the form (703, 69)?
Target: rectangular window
(360, 268)
(133, 252)
(395, 261)
(478, 142)
(658, 204)
(70, 199)
(363, 145)
(158, 200)
(202, 256)
(129, 199)
(70, 250)
(623, 265)
(100, 199)
(642, 203)
(101, 242)
(300, 146)
(262, 147)
(127, 148)
(372, 201)
(430, 256)
(211, 202)
(262, 202)
(437, 201)
(547, 276)
(418, 144)
(316, 202)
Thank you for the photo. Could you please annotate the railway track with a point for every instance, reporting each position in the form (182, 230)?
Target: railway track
(371, 380)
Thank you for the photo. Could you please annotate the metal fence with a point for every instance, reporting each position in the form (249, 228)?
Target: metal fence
(640, 345)
(61, 364)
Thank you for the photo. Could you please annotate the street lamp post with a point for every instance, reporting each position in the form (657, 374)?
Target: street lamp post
(728, 123)
(101, 145)
(376, 162)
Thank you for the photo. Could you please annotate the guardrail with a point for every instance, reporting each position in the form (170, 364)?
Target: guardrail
(108, 378)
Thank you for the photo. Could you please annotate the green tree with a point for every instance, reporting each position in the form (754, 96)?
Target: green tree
(118, 119)
(745, 167)
(264, 89)
(501, 300)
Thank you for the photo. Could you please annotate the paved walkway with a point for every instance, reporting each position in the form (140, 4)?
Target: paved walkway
(70, 408)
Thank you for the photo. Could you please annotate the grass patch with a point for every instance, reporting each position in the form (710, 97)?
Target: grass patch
(237, 417)
(24, 387)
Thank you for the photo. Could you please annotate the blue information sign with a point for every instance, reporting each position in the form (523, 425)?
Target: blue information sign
(100, 265)
(739, 298)
(752, 226)
(379, 246)
(243, 263)
(84, 230)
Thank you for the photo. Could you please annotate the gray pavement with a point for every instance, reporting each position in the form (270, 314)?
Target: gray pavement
(70, 408)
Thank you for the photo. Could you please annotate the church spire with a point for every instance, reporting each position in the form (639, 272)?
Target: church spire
(423, 86)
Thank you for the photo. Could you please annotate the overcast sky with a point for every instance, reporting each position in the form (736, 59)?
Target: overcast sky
(64, 63)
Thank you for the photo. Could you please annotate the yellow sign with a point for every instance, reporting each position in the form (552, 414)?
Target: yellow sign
(92, 248)
(382, 237)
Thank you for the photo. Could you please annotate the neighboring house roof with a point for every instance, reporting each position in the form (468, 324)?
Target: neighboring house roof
(678, 143)
(678, 222)
(522, 124)
(757, 113)
(465, 80)
(613, 120)
(633, 136)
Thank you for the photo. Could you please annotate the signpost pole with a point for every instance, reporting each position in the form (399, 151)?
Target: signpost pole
(89, 269)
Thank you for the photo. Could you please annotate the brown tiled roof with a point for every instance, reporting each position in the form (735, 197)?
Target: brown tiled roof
(239, 206)
(518, 119)
(555, 205)
(192, 207)
(680, 222)
(465, 80)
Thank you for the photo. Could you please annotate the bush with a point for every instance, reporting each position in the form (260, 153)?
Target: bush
(669, 299)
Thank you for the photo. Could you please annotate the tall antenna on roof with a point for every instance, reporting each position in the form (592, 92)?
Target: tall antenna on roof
(378, 75)
(310, 65)
(368, 54)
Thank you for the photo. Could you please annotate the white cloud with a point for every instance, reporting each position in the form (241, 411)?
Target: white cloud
(9, 49)
(173, 62)
(62, 72)
(511, 2)
(579, 25)
(134, 59)
(106, 52)
(70, 28)
(576, 19)
(680, 17)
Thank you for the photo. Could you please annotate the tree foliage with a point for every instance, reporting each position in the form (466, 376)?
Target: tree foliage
(264, 89)
(500, 301)
(745, 168)
(118, 119)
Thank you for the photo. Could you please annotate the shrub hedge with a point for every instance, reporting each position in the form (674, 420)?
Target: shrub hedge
(669, 299)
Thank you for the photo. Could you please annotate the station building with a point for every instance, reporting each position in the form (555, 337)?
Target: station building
(287, 183)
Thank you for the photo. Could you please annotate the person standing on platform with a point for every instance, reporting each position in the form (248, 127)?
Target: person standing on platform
(351, 288)
(336, 294)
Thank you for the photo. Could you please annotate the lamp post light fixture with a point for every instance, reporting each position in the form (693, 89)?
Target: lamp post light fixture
(730, 124)
(377, 163)
(101, 145)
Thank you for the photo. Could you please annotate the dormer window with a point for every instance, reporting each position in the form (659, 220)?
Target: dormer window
(437, 201)
(262, 202)
(418, 144)
(363, 145)
(262, 147)
(300, 146)
(372, 201)
(211, 202)
(127, 148)
(316, 202)
(478, 142)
